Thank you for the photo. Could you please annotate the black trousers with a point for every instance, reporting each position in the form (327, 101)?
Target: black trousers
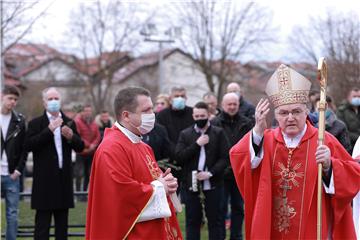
(194, 213)
(43, 221)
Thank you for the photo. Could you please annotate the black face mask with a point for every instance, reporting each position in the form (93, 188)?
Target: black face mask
(200, 123)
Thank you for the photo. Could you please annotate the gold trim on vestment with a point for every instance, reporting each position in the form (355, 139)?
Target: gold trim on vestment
(155, 174)
(303, 192)
(132, 226)
(284, 209)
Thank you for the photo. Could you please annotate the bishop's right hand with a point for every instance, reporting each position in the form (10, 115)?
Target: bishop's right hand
(261, 111)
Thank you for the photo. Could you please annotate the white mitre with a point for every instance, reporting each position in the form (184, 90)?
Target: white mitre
(286, 86)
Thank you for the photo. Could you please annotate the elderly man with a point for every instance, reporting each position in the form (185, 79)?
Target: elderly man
(211, 100)
(129, 196)
(245, 108)
(276, 169)
(235, 126)
(51, 137)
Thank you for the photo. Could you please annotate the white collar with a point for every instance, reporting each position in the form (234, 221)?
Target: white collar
(294, 142)
(130, 135)
(50, 116)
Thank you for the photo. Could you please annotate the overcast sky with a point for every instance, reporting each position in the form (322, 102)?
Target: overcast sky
(51, 28)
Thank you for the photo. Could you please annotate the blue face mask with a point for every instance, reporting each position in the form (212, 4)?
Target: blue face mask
(178, 103)
(53, 106)
(355, 101)
(315, 115)
(327, 114)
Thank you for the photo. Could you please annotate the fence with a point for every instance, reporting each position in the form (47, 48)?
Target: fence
(27, 230)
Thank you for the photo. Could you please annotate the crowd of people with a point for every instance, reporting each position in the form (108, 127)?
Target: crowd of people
(224, 161)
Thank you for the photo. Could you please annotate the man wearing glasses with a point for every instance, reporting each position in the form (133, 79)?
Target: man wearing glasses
(276, 169)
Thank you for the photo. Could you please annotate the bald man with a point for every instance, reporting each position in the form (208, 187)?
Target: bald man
(245, 108)
(235, 126)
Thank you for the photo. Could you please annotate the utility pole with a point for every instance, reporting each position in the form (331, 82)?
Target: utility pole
(151, 35)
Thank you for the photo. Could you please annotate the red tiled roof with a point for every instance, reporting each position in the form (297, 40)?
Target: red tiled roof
(91, 66)
(25, 58)
(140, 62)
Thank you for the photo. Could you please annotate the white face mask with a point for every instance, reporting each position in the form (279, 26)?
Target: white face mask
(147, 123)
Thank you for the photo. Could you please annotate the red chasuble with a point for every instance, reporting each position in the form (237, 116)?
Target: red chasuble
(120, 190)
(280, 194)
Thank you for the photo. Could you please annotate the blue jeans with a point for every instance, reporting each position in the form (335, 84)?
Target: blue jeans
(10, 190)
(237, 209)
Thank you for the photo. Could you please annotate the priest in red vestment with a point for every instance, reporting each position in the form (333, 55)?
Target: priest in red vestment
(276, 169)
(129, 196)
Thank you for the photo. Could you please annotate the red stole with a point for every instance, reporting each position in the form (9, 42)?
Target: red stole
(262, 187)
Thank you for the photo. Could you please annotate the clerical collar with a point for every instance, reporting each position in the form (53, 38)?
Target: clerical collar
(294, 142)
(130, 135)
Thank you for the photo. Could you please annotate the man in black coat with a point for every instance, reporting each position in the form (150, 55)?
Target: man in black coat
(175, 119)
(245, 108)
(51, 137)
(13, 156)
(158, 140)
(202, 151)
(235, 126)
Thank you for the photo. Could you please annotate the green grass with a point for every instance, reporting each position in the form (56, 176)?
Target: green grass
(77, 216)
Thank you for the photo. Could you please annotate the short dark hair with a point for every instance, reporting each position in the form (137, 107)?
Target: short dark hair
(313, 92)
(328, 99)
(209, 94)
(10, 89)
(126, 99)
(201, 105)
(178, 89)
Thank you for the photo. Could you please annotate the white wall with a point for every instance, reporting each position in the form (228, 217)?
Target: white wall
(55, 70)
(180, 70)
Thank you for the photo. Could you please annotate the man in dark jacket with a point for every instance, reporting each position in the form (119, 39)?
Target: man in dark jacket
(51, 137)
(202, 150)
(349, 113)
(175, 119)
(235, 127)
(245, 108)
(13, 156)
(333, 125)
(158, 140)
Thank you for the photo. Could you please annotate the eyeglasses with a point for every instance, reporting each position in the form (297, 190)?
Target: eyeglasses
(294, 113)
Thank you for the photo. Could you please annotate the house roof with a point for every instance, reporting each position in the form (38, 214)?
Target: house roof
(143, 61)
(21, 59)
(93, 65)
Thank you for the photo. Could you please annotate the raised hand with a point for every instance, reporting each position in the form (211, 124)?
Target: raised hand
(261, 111)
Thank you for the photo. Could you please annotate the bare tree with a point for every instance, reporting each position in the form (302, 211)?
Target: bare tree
(337, 37)
(101, 32)
(217, 33)
(17, 20)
